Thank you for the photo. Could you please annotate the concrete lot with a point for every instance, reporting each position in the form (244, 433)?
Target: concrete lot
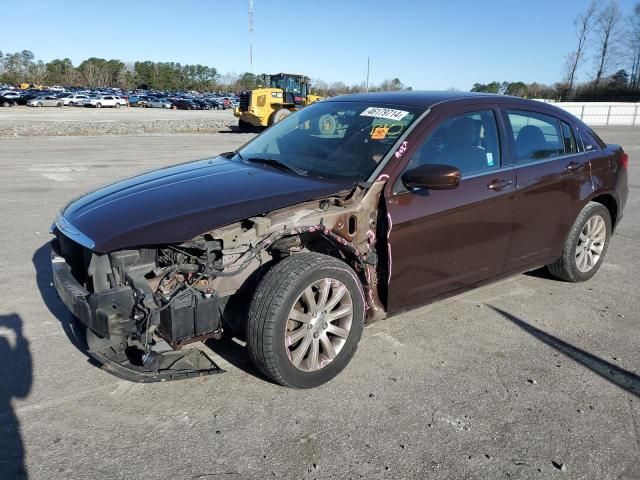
(527, 378)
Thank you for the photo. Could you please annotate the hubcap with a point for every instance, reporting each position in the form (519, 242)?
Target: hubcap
(591, 243)
(319, 324)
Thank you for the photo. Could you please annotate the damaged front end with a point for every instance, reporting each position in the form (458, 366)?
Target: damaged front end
(145, 308)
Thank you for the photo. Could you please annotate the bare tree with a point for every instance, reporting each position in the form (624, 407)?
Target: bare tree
(608, 29)
(634, 48)
(584, 24)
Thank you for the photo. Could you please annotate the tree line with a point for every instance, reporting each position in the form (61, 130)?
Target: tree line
(607, 37)
(22, 67)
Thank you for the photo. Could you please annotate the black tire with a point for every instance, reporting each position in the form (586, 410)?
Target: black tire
(269, 311)
(566, 267)
(60, 104)
(98, 105)
(39, 104)
(6, 104)
(117, 105)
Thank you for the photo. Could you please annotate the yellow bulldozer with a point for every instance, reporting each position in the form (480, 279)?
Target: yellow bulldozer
(264, 106)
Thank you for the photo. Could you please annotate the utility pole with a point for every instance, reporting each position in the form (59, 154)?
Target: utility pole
(251, 35)
(368, 65)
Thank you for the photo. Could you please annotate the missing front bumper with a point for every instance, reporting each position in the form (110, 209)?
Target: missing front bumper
(113, 356)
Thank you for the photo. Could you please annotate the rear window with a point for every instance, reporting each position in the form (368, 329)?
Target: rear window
(536, 136)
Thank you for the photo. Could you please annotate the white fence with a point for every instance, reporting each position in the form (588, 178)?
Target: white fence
(603, 113)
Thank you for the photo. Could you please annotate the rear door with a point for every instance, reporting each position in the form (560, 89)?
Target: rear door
(552, 177)
(444, 240)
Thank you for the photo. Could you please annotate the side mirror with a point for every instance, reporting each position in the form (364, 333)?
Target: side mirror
(431, 176)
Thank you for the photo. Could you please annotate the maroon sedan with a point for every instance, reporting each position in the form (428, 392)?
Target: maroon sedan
(348, 210)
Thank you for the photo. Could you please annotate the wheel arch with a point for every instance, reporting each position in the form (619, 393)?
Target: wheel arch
(609, 201)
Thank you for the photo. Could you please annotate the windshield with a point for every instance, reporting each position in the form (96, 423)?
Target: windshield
(334, 140)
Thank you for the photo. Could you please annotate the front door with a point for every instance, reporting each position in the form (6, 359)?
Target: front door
(444, 240)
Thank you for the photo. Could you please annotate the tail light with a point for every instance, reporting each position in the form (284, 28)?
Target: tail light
(624, 160)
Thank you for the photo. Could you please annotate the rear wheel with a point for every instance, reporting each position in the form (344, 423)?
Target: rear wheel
(59, 104)
(305, 320)
(39, 104)
(98, 105)
(117, 105)
(5, 104)
(586, 245)
(278, 115)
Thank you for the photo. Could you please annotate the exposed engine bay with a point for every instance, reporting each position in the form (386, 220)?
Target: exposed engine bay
(146, 305)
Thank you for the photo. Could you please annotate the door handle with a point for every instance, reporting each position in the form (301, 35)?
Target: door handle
(497, 185)
(573, 166)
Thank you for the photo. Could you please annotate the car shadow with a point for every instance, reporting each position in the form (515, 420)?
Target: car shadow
(44, 280)
(620, 377)
(16, 378)
(237, 355)
(543, 274)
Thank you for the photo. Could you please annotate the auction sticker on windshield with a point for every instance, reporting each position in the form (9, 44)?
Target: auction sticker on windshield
(388, 113)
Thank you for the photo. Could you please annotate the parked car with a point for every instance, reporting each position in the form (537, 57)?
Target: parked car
(100, 101)
(120, 100)
(201, 103)
(7, 102)
(25, 97)
(73, 99)
(183, 104)
(11, 94)
(347, 211)
(45, 101)
(139, 100)
(160, 103)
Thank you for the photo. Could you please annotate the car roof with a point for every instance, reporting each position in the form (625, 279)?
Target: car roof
(412, 98)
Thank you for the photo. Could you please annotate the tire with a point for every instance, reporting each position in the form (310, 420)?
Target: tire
(117, 105)
(279, 115)
(585, 247)
(60, 104)
(98, 105)
(5, 104)
(39, 104)
(281, 292)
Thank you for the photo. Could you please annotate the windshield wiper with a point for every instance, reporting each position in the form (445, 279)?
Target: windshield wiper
(274, 163)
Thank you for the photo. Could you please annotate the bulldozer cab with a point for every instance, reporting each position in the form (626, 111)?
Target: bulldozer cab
(295, 88)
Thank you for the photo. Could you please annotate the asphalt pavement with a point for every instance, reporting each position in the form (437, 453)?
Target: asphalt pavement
(527, 378)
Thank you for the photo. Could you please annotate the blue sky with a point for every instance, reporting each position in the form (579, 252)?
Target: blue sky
(427, 44)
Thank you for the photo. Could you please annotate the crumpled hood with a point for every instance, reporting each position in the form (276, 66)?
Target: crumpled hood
(177, 203)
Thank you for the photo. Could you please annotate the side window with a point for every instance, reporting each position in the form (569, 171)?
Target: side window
(570, 145)
(468, 141)
(536, 136)
(590, 140)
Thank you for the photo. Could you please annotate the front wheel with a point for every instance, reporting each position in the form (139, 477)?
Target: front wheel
(98, 105)
(586, 245)
(117, 105)
(305, 320)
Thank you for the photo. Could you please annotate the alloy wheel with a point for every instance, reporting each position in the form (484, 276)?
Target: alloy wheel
(591, 242)
(319, 324)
